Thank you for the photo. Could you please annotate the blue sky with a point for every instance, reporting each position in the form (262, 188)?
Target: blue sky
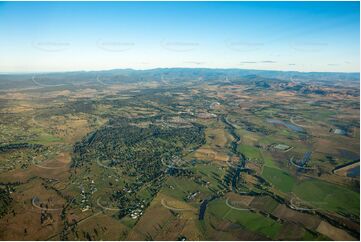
(64, 36)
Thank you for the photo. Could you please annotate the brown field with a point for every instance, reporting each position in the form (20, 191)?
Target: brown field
(27, 216)
(56, 168)
(100, 227)
(158, 214)
(211, 155)
(184, 225)
(306, 220)
(176, 204)
(263, 203)
(70, 128)
(291, 231)
(244, 199)
(167, 224)
(225, 230)
(285, 94)
(18, 109)
(218, 137)
(332, 232)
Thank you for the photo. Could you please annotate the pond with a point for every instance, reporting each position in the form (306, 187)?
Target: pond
(288, 125)
(354, 172)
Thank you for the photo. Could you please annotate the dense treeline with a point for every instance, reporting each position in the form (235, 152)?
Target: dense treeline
(9, 147)
(5, 201)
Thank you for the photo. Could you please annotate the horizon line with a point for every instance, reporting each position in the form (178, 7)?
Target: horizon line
(155, 68)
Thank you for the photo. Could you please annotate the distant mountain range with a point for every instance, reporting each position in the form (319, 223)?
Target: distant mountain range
(11, 81)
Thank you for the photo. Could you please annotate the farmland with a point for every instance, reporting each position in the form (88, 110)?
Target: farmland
(205, 155)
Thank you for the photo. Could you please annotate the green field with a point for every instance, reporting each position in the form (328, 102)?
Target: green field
(328, 196)
(250, 152)
(278, 178)
(249, 220)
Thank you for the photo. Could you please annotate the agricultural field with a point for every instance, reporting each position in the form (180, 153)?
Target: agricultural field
(179, 154)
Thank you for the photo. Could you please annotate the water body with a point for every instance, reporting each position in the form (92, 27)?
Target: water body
(354, 172)
(236, 176)
(242, 161)
(340, 131)
(231, 129)
(288, 125)
(203, 207)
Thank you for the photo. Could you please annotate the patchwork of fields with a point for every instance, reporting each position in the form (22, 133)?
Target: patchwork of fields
(190, 158)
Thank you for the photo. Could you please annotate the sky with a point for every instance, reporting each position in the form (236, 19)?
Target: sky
(71, 36)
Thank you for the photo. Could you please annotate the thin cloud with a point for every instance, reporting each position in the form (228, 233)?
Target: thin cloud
(268, 61)
(248, 62)
(258, 62)
(194, 62)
